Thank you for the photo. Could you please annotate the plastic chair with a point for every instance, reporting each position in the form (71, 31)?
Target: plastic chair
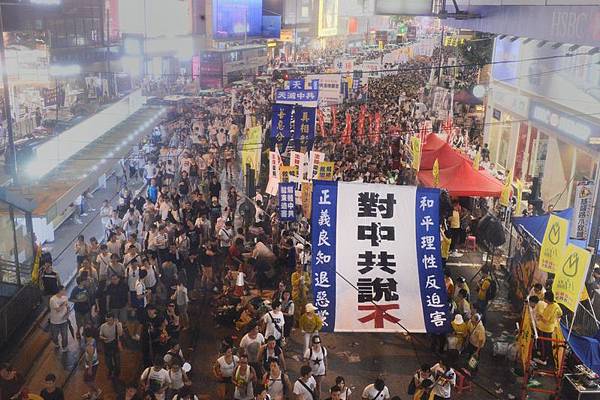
(463, 381)
(471, 243)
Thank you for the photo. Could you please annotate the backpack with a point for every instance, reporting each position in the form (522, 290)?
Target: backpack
(492, 290)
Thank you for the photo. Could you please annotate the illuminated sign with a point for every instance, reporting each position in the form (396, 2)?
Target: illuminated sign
(561, 122)
(403, 7)
(328, 18)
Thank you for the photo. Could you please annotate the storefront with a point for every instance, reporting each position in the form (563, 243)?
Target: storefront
(535, 138)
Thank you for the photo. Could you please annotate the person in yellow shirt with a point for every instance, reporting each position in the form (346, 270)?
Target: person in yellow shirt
(310, 324)
(482, 292)
(460, 331)
(455, 227)
(549, 319)
(476, 335)
(300, 289)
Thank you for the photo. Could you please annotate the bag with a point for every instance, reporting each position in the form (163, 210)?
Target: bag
(492, 290)
(473, 362)
(412, 386)
(277, 327)
(312, 394)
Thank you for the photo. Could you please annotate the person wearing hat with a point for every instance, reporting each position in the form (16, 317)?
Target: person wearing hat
(460, 331)
(477, 336)
(316, 356)
(310, 324)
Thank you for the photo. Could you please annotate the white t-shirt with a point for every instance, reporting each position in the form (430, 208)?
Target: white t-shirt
(316, 360)
(132, 277)
(301, 391)
(271, 318)
(370, 393)
(251, 346)
(161, 376)
(443, 386)
(345, 394)
(58, 314)
(227, 369)
(140, 290)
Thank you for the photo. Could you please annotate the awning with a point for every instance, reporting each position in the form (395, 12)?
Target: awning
(586, 348)
(536, 225)
(466, 97)
(463, 180)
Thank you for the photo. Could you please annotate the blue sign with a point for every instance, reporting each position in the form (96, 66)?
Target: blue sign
(287, 202)
(231, 16)
(281, 121)
(314, 84)
(563, 123)
(296, 95)
(429, 256)
(271, 26)
(305, 119)
(324, 224)
(296, 84)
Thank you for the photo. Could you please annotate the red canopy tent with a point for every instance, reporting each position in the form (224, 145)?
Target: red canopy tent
(463, 180)
(433, 148)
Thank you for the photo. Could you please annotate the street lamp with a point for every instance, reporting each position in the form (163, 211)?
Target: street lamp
(10, 154)
(62, 71)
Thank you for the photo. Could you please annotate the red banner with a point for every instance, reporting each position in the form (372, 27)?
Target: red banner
(361, 122)
(346, 139)
(321, 119)
(377, 127)
(334, 121)
(447, 126)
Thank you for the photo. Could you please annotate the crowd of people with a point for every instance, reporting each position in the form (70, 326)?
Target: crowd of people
(189, 239)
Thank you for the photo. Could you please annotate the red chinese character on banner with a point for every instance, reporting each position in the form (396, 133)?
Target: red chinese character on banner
(379, 314)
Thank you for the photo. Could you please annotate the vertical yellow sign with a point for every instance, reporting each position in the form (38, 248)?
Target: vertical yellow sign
(477, 160)
(570, 276)
(553, 245)
(519, 196)
(415, 144)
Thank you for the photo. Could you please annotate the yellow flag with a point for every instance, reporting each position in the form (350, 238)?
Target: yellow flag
(505, 196)
(436, 173)
(35, 271)
(570, 276)
(477, 160)
(286, 171)
(251, 150)
(585, 295)
(553, 245)
(519, 195)
(525, 336)
(415, 143)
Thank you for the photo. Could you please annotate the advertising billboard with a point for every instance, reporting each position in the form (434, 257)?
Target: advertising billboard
(328, 18)
(163, 17)
(271, 26)
(403, 7)
(235, 18)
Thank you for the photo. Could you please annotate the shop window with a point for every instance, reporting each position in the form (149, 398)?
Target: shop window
(505, 139)
(542, 154)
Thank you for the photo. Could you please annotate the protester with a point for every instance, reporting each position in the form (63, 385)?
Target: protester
(376, 391)
(50, 390)
(310, 324)
(305, 385)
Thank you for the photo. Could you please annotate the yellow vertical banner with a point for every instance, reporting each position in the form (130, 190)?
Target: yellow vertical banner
(251, 150)
(525, 337)
(326, 170)
(553, 245)
(506, 189)
(570, 276)
(477, 160)
(415, 144)
(436, 173)
(307, 190)
(519, 185)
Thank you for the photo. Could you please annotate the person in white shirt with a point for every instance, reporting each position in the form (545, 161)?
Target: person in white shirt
(274, 322)
(251, 343)
(59, 315)
(316, 356)
(103, 261)
(444, 378)
(304, 387)
(345, 391)
(376, 391)
(156, 379)
(223, 370)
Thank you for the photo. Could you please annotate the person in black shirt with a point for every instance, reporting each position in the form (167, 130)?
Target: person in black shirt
(50, 281)
(116, 298)
(51, 392)
(214, 188)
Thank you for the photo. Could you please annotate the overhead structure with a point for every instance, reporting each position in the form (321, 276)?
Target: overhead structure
(462, 180)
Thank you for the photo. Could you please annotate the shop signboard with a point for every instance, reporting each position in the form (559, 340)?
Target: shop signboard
(563, 123)
(329, 88)
(582, 210)
(328, 18)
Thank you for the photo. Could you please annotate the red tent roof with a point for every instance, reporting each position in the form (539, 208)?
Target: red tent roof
(433, 148)
(463, 180)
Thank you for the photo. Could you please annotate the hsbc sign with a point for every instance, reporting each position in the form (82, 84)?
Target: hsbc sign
(578, 25)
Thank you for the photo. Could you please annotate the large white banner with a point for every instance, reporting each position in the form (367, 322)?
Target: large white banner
(376, 258)
(330, 92)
